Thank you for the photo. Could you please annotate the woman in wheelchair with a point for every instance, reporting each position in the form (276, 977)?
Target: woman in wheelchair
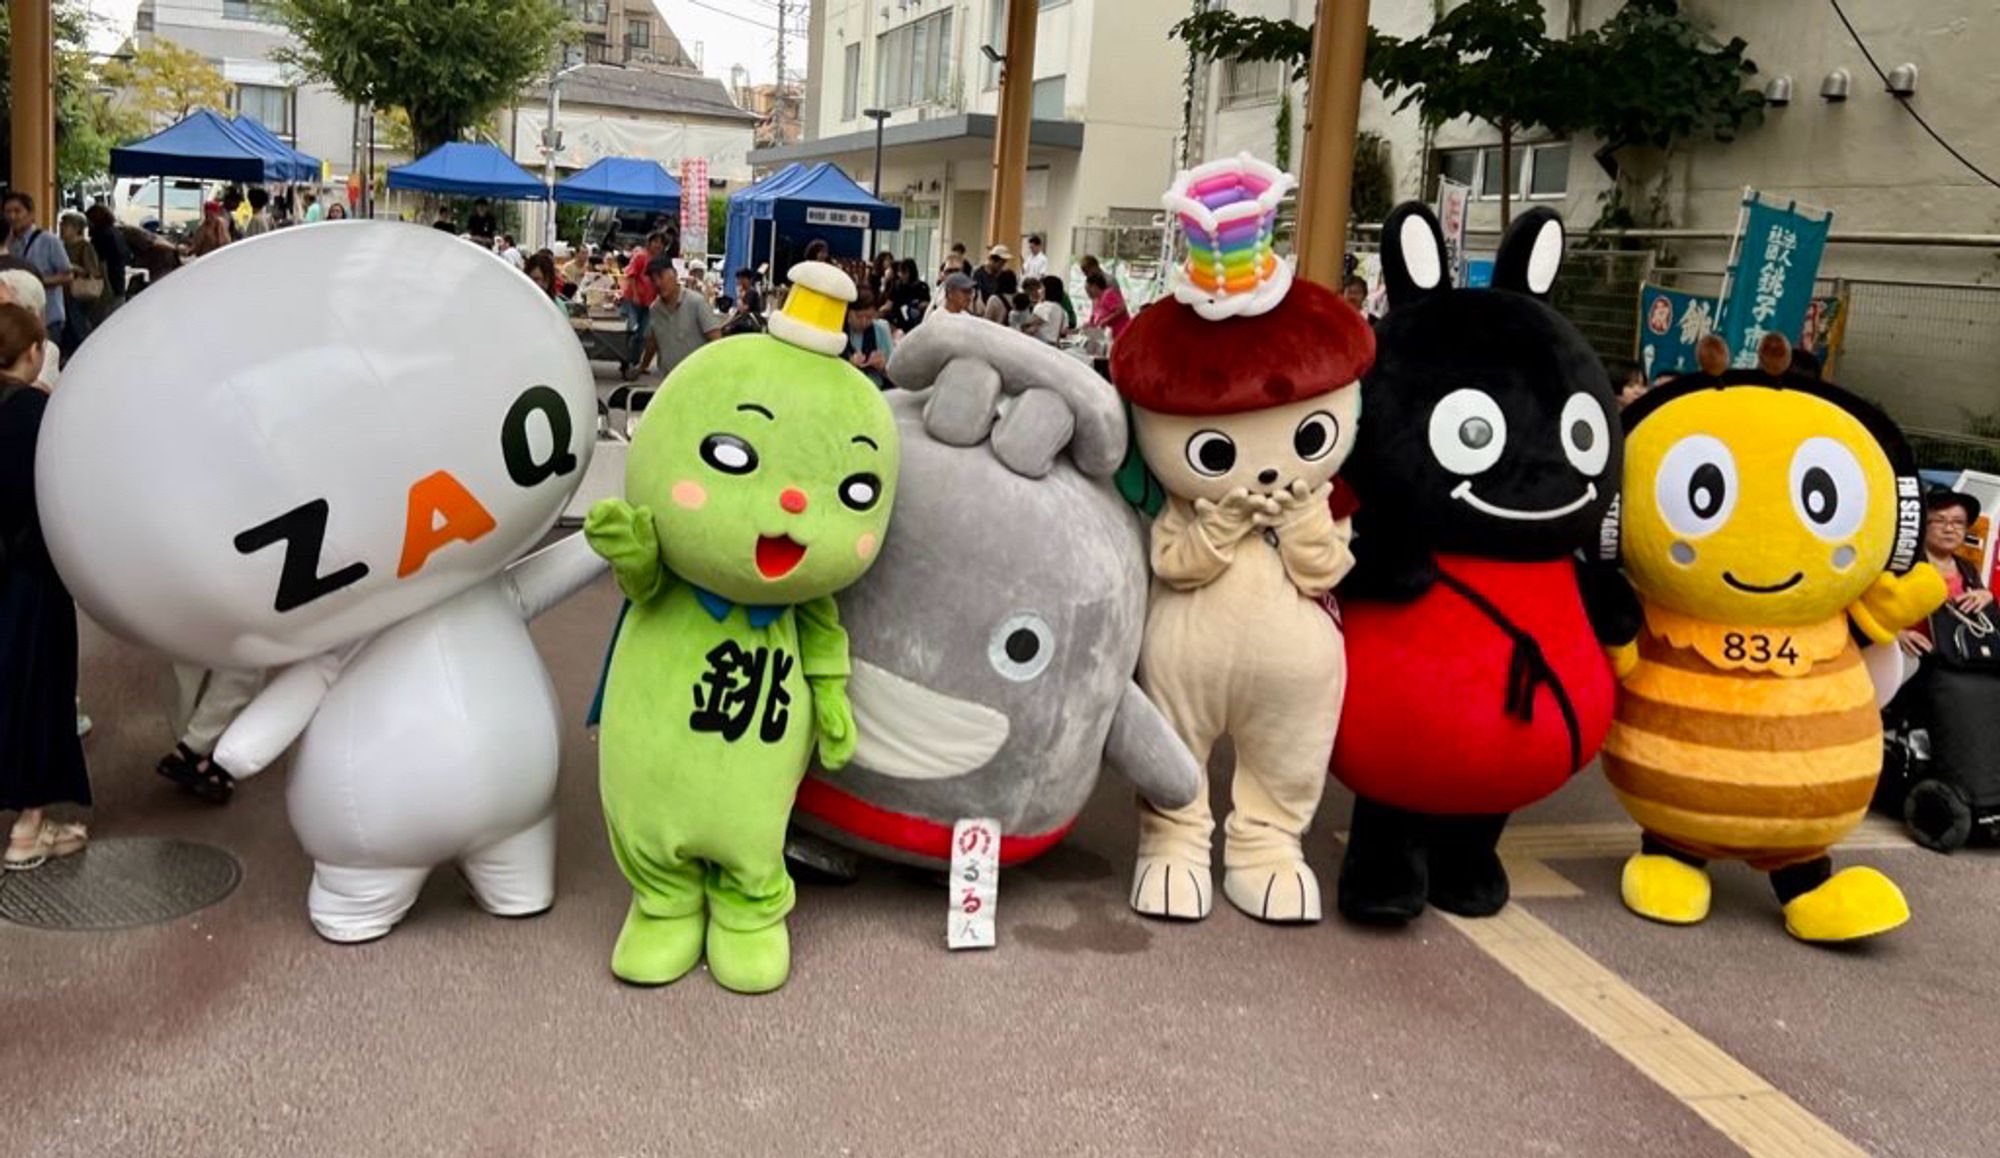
(1941, 772)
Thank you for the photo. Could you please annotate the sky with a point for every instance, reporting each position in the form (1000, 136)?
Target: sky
(729, 32)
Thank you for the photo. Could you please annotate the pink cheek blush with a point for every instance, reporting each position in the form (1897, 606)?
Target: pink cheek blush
(690, 494)
(865, 545)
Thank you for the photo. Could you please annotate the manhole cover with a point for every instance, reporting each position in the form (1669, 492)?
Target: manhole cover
(119, 883)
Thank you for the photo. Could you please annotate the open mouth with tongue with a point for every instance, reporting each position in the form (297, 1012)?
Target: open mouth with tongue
(778, 557)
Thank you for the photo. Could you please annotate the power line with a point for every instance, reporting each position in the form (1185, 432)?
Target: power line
(745, 19)
(1914, 114)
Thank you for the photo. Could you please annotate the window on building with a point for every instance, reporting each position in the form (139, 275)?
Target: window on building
(913, 62)
(850, 85)
(1048, 99)
(639, 32)
(1251, 81)
(260, 10)
(588, 11)
(268, 105)
(1540, 170)
(1548, 174)
(142, 21)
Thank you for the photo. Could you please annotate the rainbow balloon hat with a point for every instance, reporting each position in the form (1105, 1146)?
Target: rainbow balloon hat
(1229, 212)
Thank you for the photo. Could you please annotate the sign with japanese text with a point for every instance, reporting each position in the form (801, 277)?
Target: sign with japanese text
(1670, 323)
(1771, 280)
(974, 887)
(694, 206)
(840, 218)
(1453, 207)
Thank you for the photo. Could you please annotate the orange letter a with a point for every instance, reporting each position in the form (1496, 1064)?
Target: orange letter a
(463, 519)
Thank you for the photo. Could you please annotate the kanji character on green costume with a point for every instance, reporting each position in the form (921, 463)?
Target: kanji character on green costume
(759, 483)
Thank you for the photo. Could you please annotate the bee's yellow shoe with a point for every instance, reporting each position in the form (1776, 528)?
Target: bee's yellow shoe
(1857, 902)
(1660, 888)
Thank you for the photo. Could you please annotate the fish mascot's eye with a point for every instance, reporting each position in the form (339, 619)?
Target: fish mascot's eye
(1828, 488)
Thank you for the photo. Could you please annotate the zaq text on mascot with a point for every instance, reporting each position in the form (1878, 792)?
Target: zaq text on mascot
(1244, 403)
(1769, 521)
(759, 483)
(1478, 683)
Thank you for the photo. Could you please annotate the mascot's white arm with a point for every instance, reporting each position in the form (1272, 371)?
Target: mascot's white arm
(539, 581)
(279, 715)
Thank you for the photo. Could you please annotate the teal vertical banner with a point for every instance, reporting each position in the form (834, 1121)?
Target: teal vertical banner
(1771, 284)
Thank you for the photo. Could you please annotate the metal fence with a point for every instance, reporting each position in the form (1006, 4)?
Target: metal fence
(1927, 352)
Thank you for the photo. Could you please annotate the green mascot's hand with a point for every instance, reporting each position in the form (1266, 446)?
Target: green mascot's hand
(624, 535)
(835, 717)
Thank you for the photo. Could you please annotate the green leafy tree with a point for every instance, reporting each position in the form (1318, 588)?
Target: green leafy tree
(446, 63)
(165, 81)
(1646, 78)
(87, 124)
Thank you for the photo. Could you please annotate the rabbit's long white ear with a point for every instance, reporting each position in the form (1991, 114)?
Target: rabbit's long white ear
(1531, 253)
(1413, 265)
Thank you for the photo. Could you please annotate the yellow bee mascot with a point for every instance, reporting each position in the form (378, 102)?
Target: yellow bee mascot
(1769, 522)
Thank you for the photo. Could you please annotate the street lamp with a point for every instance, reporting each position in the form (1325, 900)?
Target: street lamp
(551, 145)
(875, 189)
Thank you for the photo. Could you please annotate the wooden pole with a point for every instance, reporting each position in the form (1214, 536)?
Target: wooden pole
(1010, 137)
(1333, 111)
(32, 57)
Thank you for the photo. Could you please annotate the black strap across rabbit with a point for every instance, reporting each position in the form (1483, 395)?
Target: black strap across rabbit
(1527, 669)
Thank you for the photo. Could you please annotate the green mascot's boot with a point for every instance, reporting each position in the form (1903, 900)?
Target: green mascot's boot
(657, 950)
(754, 962)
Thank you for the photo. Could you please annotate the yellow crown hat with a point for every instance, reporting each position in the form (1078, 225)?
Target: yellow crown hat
(815, 313)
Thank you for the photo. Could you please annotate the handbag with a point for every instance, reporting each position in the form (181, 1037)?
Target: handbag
(1965, 642)
(87, 289)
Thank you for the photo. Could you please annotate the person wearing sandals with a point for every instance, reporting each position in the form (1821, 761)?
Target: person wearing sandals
(41, 758)
(206, 702)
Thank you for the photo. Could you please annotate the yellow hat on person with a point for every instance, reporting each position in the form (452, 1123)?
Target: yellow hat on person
(814, 316)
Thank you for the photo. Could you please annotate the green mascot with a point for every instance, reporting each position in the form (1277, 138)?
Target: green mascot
(759, 483)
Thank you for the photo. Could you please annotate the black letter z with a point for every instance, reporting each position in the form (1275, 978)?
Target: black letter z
(303, 531)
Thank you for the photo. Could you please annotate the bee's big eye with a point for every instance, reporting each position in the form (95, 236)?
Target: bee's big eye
(1696, 485)
(1829, 491)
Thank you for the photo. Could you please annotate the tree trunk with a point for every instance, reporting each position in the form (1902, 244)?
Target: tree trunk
(1506, 173)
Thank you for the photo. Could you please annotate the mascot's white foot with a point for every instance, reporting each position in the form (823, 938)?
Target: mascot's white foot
(1166, 886)
(515, 876)
(1282, 894)
(352, 905)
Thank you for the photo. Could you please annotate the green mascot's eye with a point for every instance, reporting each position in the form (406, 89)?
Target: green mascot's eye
(728, 454)
(860, 491)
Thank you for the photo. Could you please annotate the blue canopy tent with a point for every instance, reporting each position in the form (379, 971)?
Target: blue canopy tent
(623, 183)
(465, 169)
(293, 165)
(736, 246)
(820, 203)
(204, 146)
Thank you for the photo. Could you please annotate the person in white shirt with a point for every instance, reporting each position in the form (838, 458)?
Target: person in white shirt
(1049, 319)
(505, 247)
(1035, 266)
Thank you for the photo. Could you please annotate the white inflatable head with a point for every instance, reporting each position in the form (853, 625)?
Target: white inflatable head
(306, 437)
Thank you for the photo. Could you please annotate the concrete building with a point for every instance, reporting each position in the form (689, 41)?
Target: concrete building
(1923, 320)
(778, 107)
(239, 36)
(1865, 157)
(1107, 111)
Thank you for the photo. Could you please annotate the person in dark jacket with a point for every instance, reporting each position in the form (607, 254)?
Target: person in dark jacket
(41, 758)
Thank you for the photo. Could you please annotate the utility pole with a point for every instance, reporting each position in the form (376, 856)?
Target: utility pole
(778, 90)
(1010, 137)
(31, 53)
(1333, 108)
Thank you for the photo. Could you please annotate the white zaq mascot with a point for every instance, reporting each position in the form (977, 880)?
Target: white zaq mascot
(338, 481)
